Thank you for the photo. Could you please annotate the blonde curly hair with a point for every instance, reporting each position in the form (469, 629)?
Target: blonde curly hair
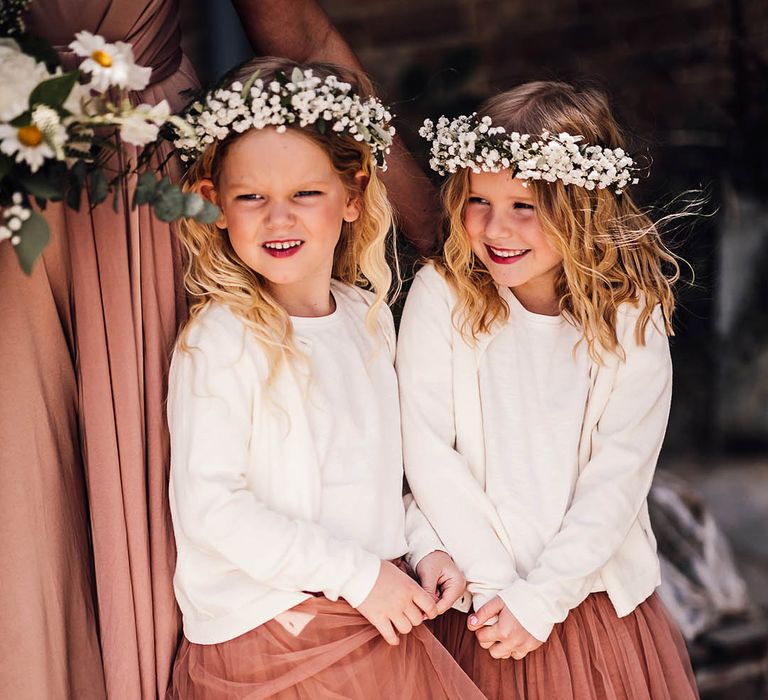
(612, 252)
(214, 272)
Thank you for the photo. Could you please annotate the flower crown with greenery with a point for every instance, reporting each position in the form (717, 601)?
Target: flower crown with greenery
(301, 99)
(473, 142)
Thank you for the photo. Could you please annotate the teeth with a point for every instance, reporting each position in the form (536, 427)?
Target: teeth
(282, 245)
(505, 253)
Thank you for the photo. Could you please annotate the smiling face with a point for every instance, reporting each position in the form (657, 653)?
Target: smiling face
(283, 206)
(506, 235)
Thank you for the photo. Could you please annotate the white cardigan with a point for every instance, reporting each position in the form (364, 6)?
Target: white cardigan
(246, 486)
(605, 540)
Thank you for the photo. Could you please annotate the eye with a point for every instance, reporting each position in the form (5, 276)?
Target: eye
(477, 200)
(523, 205)
(308, 193)
(249, 197)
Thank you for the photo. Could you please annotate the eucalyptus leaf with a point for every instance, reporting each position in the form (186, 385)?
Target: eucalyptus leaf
(54, 91)
(193, 204)
(209, 214)
(145, 189)
(42, 187)
(98, 188)
(34, 234)
(6, 164)
(169, 204)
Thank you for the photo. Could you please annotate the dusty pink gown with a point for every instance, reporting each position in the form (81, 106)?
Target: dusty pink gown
(86, 600)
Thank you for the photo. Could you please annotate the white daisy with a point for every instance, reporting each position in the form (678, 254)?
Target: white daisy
(110, 65)
(27, 143)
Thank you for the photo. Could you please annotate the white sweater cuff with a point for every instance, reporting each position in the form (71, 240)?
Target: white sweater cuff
(531, 610)
(361, 583)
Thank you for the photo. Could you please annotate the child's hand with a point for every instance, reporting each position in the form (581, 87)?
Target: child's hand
(507, 637)
(396, 602)
(441, 578)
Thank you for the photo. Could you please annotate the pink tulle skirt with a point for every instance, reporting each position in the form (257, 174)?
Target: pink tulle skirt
(592, 655)
(320, 650)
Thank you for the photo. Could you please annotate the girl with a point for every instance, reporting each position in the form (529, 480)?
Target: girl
(286, 474)
(535, 387)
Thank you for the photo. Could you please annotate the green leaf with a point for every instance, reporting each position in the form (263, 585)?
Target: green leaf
(169, 204)
(54, 92)
(34, 236)
(39, 49)
(145, 189)
(98, 188)
(42, 186)
(193, 204)
(209, 214)
(6, 164)
(249, 84)
(76, 180)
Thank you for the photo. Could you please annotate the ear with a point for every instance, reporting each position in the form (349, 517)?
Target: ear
(206, 189)
(354, 205)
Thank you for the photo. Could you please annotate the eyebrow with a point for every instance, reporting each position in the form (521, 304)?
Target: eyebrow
(248, 184)
(517, 198)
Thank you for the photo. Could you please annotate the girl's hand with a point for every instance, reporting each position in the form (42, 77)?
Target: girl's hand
(507, 637)
(442, 579)
(396, 602)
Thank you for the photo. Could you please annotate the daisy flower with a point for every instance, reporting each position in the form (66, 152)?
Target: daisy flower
(110, 65)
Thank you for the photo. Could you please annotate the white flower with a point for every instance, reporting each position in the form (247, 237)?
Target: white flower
(110, 65)
(19, 75)
(27, 143)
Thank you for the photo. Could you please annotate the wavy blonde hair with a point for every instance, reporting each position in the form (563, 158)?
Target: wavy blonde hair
(213, 272)
(612, 252)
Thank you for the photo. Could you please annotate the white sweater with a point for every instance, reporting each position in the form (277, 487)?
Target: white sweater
(277, 494)
(532, 462)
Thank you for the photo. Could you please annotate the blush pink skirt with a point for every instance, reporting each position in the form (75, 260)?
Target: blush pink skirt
(592, 655)
(320, 650)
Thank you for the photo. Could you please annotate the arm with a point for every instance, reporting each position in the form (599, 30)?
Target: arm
(448, 495)
(610, 490)
(301, 30)
(212, 394)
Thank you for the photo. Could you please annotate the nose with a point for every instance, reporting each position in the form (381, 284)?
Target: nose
(497, 226)
(278, 215)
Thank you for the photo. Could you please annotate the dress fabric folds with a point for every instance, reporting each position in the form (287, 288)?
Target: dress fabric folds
(86, 598)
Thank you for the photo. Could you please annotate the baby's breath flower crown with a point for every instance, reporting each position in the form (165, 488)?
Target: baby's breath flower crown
(473, 142)
(302, 99)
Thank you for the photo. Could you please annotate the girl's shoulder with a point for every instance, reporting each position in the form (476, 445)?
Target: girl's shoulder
(217, 334)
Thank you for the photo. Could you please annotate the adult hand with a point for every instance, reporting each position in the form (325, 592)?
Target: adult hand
(441, 578)
(506, 637)
(396, 603)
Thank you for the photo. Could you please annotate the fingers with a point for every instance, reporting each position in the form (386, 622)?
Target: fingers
(500, 651)
(414, 614)
(402, 623)
(451, 591)
(388, 632)
(487, 636)
(491, 609)
(429, 583)
(426, 602)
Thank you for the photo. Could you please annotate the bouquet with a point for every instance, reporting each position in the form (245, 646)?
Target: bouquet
(60, 132)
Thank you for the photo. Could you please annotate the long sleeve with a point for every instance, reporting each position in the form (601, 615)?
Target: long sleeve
(440, 478)
(215, 391)
(611, 487)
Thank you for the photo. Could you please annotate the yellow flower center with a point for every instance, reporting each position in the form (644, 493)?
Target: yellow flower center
(30, 136)
(102, 58)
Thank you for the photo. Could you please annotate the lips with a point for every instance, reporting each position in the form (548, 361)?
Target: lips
(283, 249)
(506, 256)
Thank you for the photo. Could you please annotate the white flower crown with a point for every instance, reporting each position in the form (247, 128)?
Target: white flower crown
(473, 142)
(302, 99)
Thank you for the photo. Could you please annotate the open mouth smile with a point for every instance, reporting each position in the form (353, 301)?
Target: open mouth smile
(506, 256)
(283, 249)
